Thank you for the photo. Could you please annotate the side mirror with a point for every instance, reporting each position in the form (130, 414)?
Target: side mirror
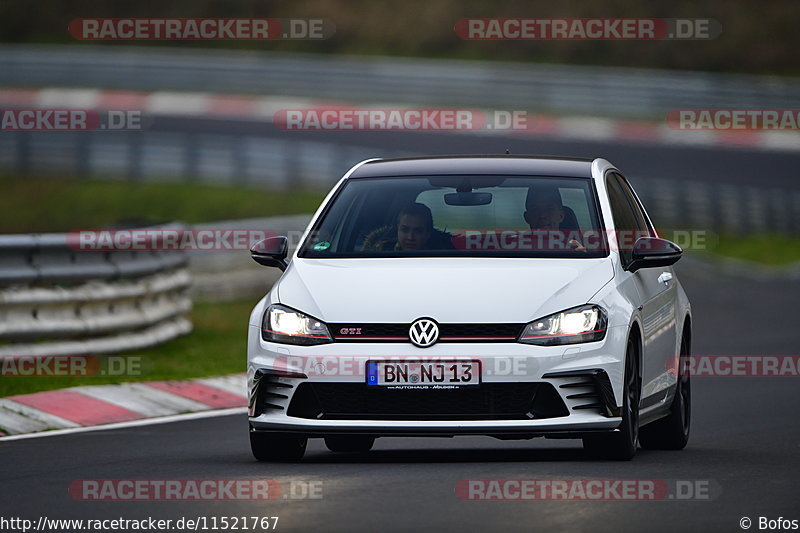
(271, 252)
(653, 252)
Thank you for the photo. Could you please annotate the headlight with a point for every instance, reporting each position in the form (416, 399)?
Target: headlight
(586, 323)
(287, 326)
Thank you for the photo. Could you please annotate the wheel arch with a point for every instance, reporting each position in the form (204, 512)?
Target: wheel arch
(636, 333)
(686, 331)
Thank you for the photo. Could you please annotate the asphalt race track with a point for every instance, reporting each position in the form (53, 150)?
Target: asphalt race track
(745, 441)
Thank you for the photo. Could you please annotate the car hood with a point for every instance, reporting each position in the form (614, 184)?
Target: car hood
(465, 290)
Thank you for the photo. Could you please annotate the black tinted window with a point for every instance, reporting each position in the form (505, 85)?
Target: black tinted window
(460, 215)
(641, 219)
(625, 220)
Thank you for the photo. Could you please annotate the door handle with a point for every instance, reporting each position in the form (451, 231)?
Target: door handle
(665, 277)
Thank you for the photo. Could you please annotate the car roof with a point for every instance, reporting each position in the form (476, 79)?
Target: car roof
(477, 165)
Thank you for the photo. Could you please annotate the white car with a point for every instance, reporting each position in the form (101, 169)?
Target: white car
(508, 296)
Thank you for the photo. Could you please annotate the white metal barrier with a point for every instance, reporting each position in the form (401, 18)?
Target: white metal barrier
(55, 300)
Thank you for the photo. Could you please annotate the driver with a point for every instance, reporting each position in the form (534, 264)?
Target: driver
(414, 227)
(544, 211)
(543, 208)
(412, 231)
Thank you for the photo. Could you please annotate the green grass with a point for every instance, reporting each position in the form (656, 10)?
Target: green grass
(35, 204)
(772, 250)
(767, 249)
(216, 346)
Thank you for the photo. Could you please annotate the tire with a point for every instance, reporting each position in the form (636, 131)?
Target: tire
(672, 432)
(621, 445)
(349, 443)
(272, 447)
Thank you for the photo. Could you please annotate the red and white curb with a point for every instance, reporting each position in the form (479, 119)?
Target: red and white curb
(99, 405)
(263, 108)
(157, 102)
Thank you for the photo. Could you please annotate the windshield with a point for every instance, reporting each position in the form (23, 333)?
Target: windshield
(446, 216)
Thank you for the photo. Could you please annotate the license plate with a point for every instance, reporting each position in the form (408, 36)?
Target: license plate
(434, 374)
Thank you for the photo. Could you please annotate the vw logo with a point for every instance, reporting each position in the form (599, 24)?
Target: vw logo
(423, 332)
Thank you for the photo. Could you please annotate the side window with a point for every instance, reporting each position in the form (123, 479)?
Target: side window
(641, 218)
(624, 218)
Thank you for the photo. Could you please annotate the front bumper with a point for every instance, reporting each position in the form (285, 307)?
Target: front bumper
(319, 428)
(587, 378)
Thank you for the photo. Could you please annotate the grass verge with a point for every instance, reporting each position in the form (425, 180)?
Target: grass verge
(32, 205)
(770, 250)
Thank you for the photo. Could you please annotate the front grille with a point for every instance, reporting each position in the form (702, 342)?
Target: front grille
(447, 332)
(495, 401)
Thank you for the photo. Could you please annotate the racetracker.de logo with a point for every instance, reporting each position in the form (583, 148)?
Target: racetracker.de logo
(577, 240)
(150, 239)
(210, 29)
(735, 366)
(341, 118)
(734, 119)
(174, 489)
(402, 119)
(581, 29)
(71, 365)
(444, 370)
(187, 490)
(69, 120)
(586, 489)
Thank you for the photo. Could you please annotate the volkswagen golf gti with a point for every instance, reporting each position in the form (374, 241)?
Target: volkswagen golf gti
(508, 296)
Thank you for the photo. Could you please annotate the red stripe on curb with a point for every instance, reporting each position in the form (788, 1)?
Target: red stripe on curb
(121, 100)
(199, 392)
(542, 124)
(739, 138)
(76, 407)
(636, 131)
(19, 97)
(539, 125)
(232, 105)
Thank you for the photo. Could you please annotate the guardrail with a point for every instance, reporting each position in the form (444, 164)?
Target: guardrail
(627, 92)
(55, 300)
